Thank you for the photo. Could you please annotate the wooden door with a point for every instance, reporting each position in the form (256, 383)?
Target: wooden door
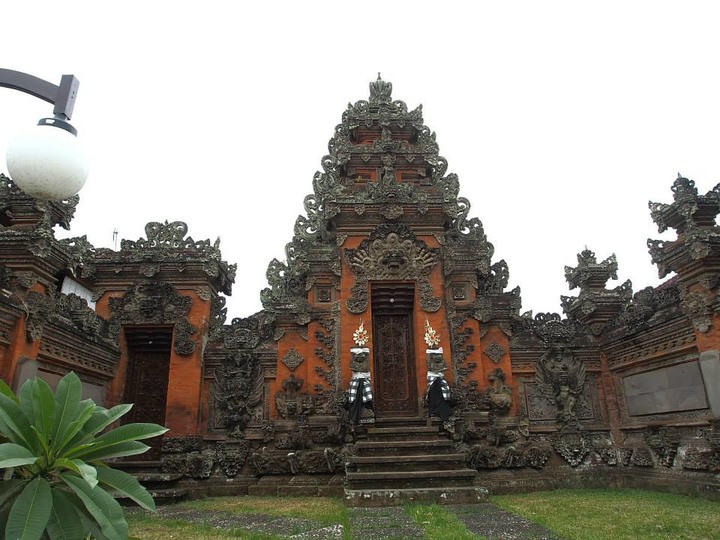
(146, 382)
(393, 353)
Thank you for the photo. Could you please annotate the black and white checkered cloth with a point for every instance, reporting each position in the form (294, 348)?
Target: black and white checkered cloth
(432, 376)
(360, 384)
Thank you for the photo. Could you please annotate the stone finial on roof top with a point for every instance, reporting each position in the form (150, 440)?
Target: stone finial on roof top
(380, 91)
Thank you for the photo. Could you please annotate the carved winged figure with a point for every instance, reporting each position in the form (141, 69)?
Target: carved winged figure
(561, 377)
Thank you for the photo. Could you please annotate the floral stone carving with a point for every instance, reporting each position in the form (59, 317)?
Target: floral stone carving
(392, 253)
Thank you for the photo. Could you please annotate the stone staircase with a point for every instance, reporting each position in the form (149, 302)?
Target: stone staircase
(163, 487)
(405, 460)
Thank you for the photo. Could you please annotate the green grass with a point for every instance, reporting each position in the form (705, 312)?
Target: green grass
(324, 510)
(438, 522)
(148, 527)
(618, 514)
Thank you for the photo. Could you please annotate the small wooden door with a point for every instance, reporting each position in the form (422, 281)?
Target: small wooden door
(393, 353)
(146, 382)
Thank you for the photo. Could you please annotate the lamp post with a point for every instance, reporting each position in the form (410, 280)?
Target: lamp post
(46, 162)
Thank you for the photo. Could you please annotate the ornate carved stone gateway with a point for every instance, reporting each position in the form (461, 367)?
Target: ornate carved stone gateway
(392, 253)
(152, 302)
(388, 326)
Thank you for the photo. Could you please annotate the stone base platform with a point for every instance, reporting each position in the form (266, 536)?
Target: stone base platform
(397, 497)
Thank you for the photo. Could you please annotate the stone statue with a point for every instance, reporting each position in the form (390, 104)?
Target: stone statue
(561, 378)
(499, 394)
(437, 394)
(360, 397)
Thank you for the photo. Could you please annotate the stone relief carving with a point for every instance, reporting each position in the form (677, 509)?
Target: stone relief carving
(499, 394)
(693, 217)
(325, 395)
(645, 303)
(236, 390)
(560, 378)
(500, 447)
(391, 194)
(697, 307)
(184, 456)
(550, 328)
(292, 359)
(218, 315)
(179, 444)
(290, 403)
(249, 332)
(182, 338)
(230, 457)
(52, 212)
(167, 243)
(641, 456)
(155, 302)
(76, 310)
(664, 443)
(39, 308)
(573, 447)
(466, 395)
(702, 453)
(392, 252)
(494, 352)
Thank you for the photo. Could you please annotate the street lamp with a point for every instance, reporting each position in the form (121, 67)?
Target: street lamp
(46, 162)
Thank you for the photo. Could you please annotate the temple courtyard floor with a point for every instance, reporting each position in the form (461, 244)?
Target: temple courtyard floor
(561, 514)
(481, 520)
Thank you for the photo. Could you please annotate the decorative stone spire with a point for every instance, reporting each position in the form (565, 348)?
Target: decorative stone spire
(695, 254)
(693, 218)
(595, 304)
(380, 91)
(589, 274)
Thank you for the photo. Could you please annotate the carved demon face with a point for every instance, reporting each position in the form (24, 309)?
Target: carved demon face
(436, 362)
(360, 362)
(394, 261)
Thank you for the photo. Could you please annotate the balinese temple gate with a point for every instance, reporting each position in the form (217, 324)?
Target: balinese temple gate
(389, 362)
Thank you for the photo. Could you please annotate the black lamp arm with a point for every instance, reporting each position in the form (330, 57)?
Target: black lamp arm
(62, 96)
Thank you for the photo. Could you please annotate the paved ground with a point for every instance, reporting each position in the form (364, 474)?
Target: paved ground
(491, 522)
(486, 520)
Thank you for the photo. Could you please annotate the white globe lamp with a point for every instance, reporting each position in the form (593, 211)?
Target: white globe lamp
(46, 162)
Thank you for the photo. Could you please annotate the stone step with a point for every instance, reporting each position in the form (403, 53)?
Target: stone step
(407, 447)
(406, 462)
(169, 496)
(160, 496)
(399, 433)
(401, 421)
(397, 497)
(132, 467)
(147, 478)
(410, 479)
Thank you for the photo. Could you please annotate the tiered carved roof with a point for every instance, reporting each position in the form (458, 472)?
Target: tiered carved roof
(26, 232)
(167, 253)
(383, 167)
(693, 218)
(595, 304)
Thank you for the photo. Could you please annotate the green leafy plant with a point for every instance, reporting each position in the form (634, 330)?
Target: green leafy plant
(56, 485)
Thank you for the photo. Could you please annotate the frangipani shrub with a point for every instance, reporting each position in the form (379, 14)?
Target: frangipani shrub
(56, 484)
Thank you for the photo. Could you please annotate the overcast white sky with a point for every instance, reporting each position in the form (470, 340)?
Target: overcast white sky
(562, 119)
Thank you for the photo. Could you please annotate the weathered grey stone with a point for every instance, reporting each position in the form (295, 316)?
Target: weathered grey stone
(710, 368)
(668, 389)
(326, 533)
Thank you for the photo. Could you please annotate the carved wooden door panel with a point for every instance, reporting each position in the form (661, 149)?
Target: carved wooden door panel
(146, 388)
(395, 384)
